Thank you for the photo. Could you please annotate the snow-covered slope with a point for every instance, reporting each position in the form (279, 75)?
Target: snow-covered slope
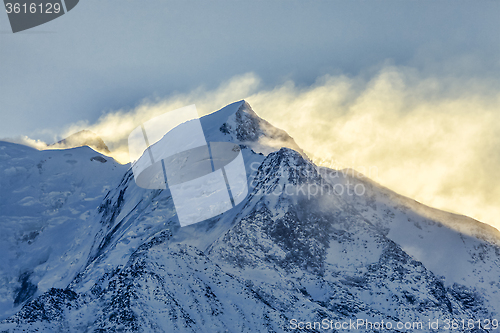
(293, 249)
(47, 203)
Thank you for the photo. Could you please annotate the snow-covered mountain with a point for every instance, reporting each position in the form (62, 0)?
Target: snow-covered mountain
(85, 249)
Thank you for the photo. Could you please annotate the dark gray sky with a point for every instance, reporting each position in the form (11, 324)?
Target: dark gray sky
(111, 54)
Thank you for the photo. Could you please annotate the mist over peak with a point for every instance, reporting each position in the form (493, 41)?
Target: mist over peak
(82, 138)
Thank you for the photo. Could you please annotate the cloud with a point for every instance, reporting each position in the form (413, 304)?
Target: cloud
(431, 138)
(114, 127)
(24, 140)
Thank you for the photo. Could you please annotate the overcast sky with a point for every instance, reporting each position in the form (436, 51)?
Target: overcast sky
(111, 54)
(410, 87)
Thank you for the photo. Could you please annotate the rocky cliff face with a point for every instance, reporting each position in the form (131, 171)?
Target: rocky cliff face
(296, 249)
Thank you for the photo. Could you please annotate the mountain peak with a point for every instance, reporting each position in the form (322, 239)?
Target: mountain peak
(238, 122)
(82, 138)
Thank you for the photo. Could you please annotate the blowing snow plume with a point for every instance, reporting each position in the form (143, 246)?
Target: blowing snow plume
(430, 138)
(82, 138)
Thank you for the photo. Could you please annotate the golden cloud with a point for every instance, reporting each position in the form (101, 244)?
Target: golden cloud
(434, 139)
